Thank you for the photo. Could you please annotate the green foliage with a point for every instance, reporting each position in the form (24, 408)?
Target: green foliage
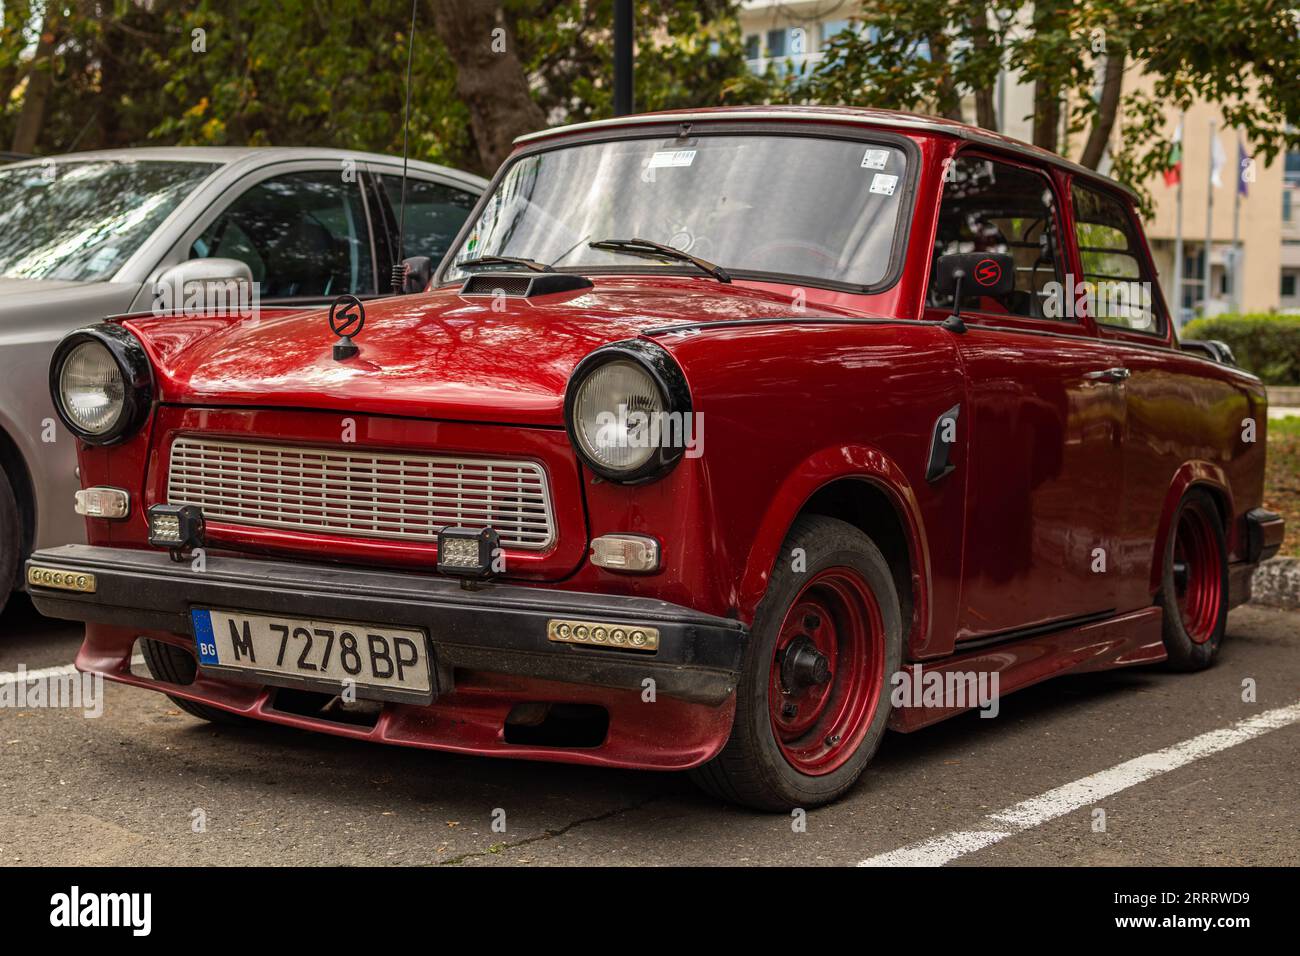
(926, 55)
(1267, 344)
(332, 72)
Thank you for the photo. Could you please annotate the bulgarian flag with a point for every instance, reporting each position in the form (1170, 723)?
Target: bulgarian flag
(1174, 161)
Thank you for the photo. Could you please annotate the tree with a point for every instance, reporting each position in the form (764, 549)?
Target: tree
(1079, 56)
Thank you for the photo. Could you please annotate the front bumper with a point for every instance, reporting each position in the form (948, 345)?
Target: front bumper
(490, 642)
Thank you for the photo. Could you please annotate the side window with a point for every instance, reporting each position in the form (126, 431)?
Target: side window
(302, 234)
(996, 207)
(434, 214)
(1115, 278)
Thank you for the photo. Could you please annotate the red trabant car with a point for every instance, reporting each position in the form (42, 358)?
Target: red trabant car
(713, 431)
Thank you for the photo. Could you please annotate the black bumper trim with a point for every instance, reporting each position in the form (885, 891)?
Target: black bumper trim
(1264, 532)
(499, 628)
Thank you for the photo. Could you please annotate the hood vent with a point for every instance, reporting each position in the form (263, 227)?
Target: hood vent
(524, 285)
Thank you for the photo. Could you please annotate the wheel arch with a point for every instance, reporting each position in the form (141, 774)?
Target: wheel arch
(866, 489)
(1193, 474)
(19, 475)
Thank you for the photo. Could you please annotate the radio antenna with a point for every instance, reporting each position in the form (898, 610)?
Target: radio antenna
(399, 270)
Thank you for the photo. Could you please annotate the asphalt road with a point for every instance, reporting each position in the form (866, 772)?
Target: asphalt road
(133, 785)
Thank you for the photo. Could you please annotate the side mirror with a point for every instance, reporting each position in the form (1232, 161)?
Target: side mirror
(973, 273)
(417, 272)
(210, 284)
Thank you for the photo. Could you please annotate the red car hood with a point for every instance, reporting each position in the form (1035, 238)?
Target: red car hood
(438, 355)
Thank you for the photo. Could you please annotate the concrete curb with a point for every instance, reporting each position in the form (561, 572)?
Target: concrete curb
(1277, 583)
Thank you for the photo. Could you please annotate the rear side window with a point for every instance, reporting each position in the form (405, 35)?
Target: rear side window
(1116, 281)
(434, 214)
(997, 207)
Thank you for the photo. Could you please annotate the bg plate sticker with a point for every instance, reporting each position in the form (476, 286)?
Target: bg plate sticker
(203, 636)
(672, 157)
(883, 184)
(875, 159)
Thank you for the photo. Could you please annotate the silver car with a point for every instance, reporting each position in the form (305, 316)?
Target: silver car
(94, 234)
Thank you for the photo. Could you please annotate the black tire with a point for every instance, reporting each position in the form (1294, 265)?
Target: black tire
(1195, 561)
(11, 540)
(167, 662)
(752, 769)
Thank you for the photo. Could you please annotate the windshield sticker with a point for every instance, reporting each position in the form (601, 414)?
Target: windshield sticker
(884, 185)
(875, 159)
(672, 157)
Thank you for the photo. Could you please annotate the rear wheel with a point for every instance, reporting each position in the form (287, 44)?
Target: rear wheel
(167, 662)
(812, 703)
(1194, 590)
(11, 540)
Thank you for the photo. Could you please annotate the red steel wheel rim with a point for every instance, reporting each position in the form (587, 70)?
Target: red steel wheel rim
(1198, 573)
(818, 725)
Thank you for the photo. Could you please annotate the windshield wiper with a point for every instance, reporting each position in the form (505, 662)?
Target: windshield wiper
(654, 250)
(505, 261)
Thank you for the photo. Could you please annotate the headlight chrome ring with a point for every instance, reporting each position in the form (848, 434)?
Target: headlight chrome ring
(627, 409)
(101, 382)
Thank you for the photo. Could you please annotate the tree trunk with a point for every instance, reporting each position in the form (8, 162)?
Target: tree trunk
(1107, 109)
(949, 101)
(490, 77)
(40, 81)
(986, 113)
(1047, 86)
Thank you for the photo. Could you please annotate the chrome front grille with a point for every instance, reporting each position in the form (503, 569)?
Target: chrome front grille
(361, 494)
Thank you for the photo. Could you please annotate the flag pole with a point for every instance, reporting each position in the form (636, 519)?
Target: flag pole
(1209, 226)
(1236, 232)
(1178, 241)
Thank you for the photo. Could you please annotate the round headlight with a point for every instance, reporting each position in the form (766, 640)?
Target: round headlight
(616, 411)
(102, 383)
(91, 390)
(626, 410)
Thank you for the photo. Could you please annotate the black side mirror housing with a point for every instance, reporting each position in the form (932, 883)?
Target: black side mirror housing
(417, 272)
(975, 273)
(972, 273)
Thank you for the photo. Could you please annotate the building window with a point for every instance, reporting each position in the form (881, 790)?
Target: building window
(753, 50)
(1286, 204)
(775, 43)
(1288, 285)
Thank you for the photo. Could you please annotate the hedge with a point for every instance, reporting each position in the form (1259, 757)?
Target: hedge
(1266, 343)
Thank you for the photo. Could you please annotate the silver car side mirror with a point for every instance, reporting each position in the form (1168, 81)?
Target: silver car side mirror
(204, 287)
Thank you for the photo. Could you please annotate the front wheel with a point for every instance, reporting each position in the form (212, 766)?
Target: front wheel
(1194, 588)
(812, 703)
(169, 663)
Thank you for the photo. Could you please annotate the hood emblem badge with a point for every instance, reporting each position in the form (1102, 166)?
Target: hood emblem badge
(347, 319)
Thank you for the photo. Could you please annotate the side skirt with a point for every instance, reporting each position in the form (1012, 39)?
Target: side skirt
(1121, 641)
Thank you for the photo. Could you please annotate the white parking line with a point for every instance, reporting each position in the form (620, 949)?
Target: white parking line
(44, 673)
(1035, 811)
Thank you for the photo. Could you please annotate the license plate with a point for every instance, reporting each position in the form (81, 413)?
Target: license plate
(382, 662)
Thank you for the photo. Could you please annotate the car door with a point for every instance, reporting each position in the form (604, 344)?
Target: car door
(1045, 419)
(1176, 407)
(435, 210)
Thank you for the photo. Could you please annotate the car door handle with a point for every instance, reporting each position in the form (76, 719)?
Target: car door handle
(1108, 375)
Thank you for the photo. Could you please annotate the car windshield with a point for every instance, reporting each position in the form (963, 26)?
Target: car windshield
(83, 220)
(798, 207)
